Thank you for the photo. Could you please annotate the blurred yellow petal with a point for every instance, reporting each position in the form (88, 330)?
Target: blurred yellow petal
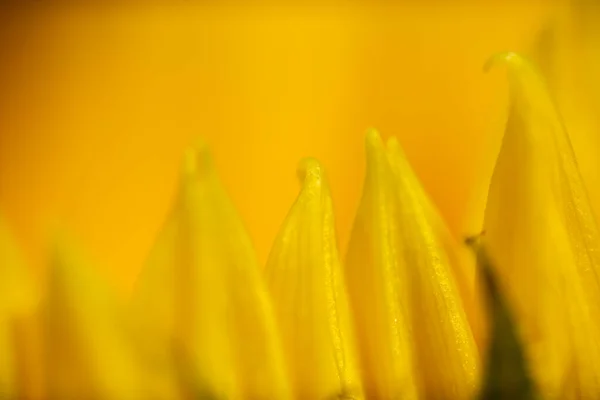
(8, 375)
(89, 352)
(17, 293)
(567, 52)
(202, 288)
(541, 231)
(17, 302)
(507, 374)
(306, 281)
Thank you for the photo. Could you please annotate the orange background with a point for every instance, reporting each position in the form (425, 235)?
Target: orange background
(98, 102)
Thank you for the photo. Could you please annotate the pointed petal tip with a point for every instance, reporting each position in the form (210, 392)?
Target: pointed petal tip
(374, 146)
(310, 172)
(373, 138)
(394, 149)
(522, 73)
(197, 158)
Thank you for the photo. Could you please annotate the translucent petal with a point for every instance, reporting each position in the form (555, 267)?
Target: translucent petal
(458, 262)
(447, 356)
(413, 333)
(89, 350)
(305, 277)
(544, 238)
(377, 287)
(202, 293)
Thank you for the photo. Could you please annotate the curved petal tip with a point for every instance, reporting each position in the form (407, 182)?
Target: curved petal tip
(509, 58)
(523, 75)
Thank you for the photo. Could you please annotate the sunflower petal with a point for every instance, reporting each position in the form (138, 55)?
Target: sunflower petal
(88, 348)
(397, 261)
(541, 231)
(202, 291)
(377, 286)
(507, 374)
(446, 353)
(17, 303)
(306, 281)
(459, 260)
(413, 333)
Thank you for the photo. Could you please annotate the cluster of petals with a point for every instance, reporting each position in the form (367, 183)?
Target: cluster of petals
(409, 312)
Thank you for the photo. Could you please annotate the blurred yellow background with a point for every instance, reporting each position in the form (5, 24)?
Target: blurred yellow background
(98, 102)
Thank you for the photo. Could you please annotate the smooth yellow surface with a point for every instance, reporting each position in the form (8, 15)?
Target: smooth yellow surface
(308, 290)
(18, 298)
(567, 53)
(202, 293)
(540, 230)
(99, 100)
(89, 349)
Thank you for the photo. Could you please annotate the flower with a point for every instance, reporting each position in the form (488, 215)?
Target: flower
(403, 314)
(400, 317)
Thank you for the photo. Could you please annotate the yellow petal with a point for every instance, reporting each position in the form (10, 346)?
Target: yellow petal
(446, 354)
(17, 302)
(457, 260)
(307, 285)
(567, 54)
(413, 332)
(8, 375)
(202, 290)
(17, 293)
(377, 286)
(88, 348)
(507, 375)
(543, 236)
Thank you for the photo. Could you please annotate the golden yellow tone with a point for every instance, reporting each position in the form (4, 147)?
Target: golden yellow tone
(507, 374)
(391, 323)
(540, 228)
(89, 349)
(18, 299)
(99, 100)
(306, 279)
(398, 273)
(433, 296)
(202, 292)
